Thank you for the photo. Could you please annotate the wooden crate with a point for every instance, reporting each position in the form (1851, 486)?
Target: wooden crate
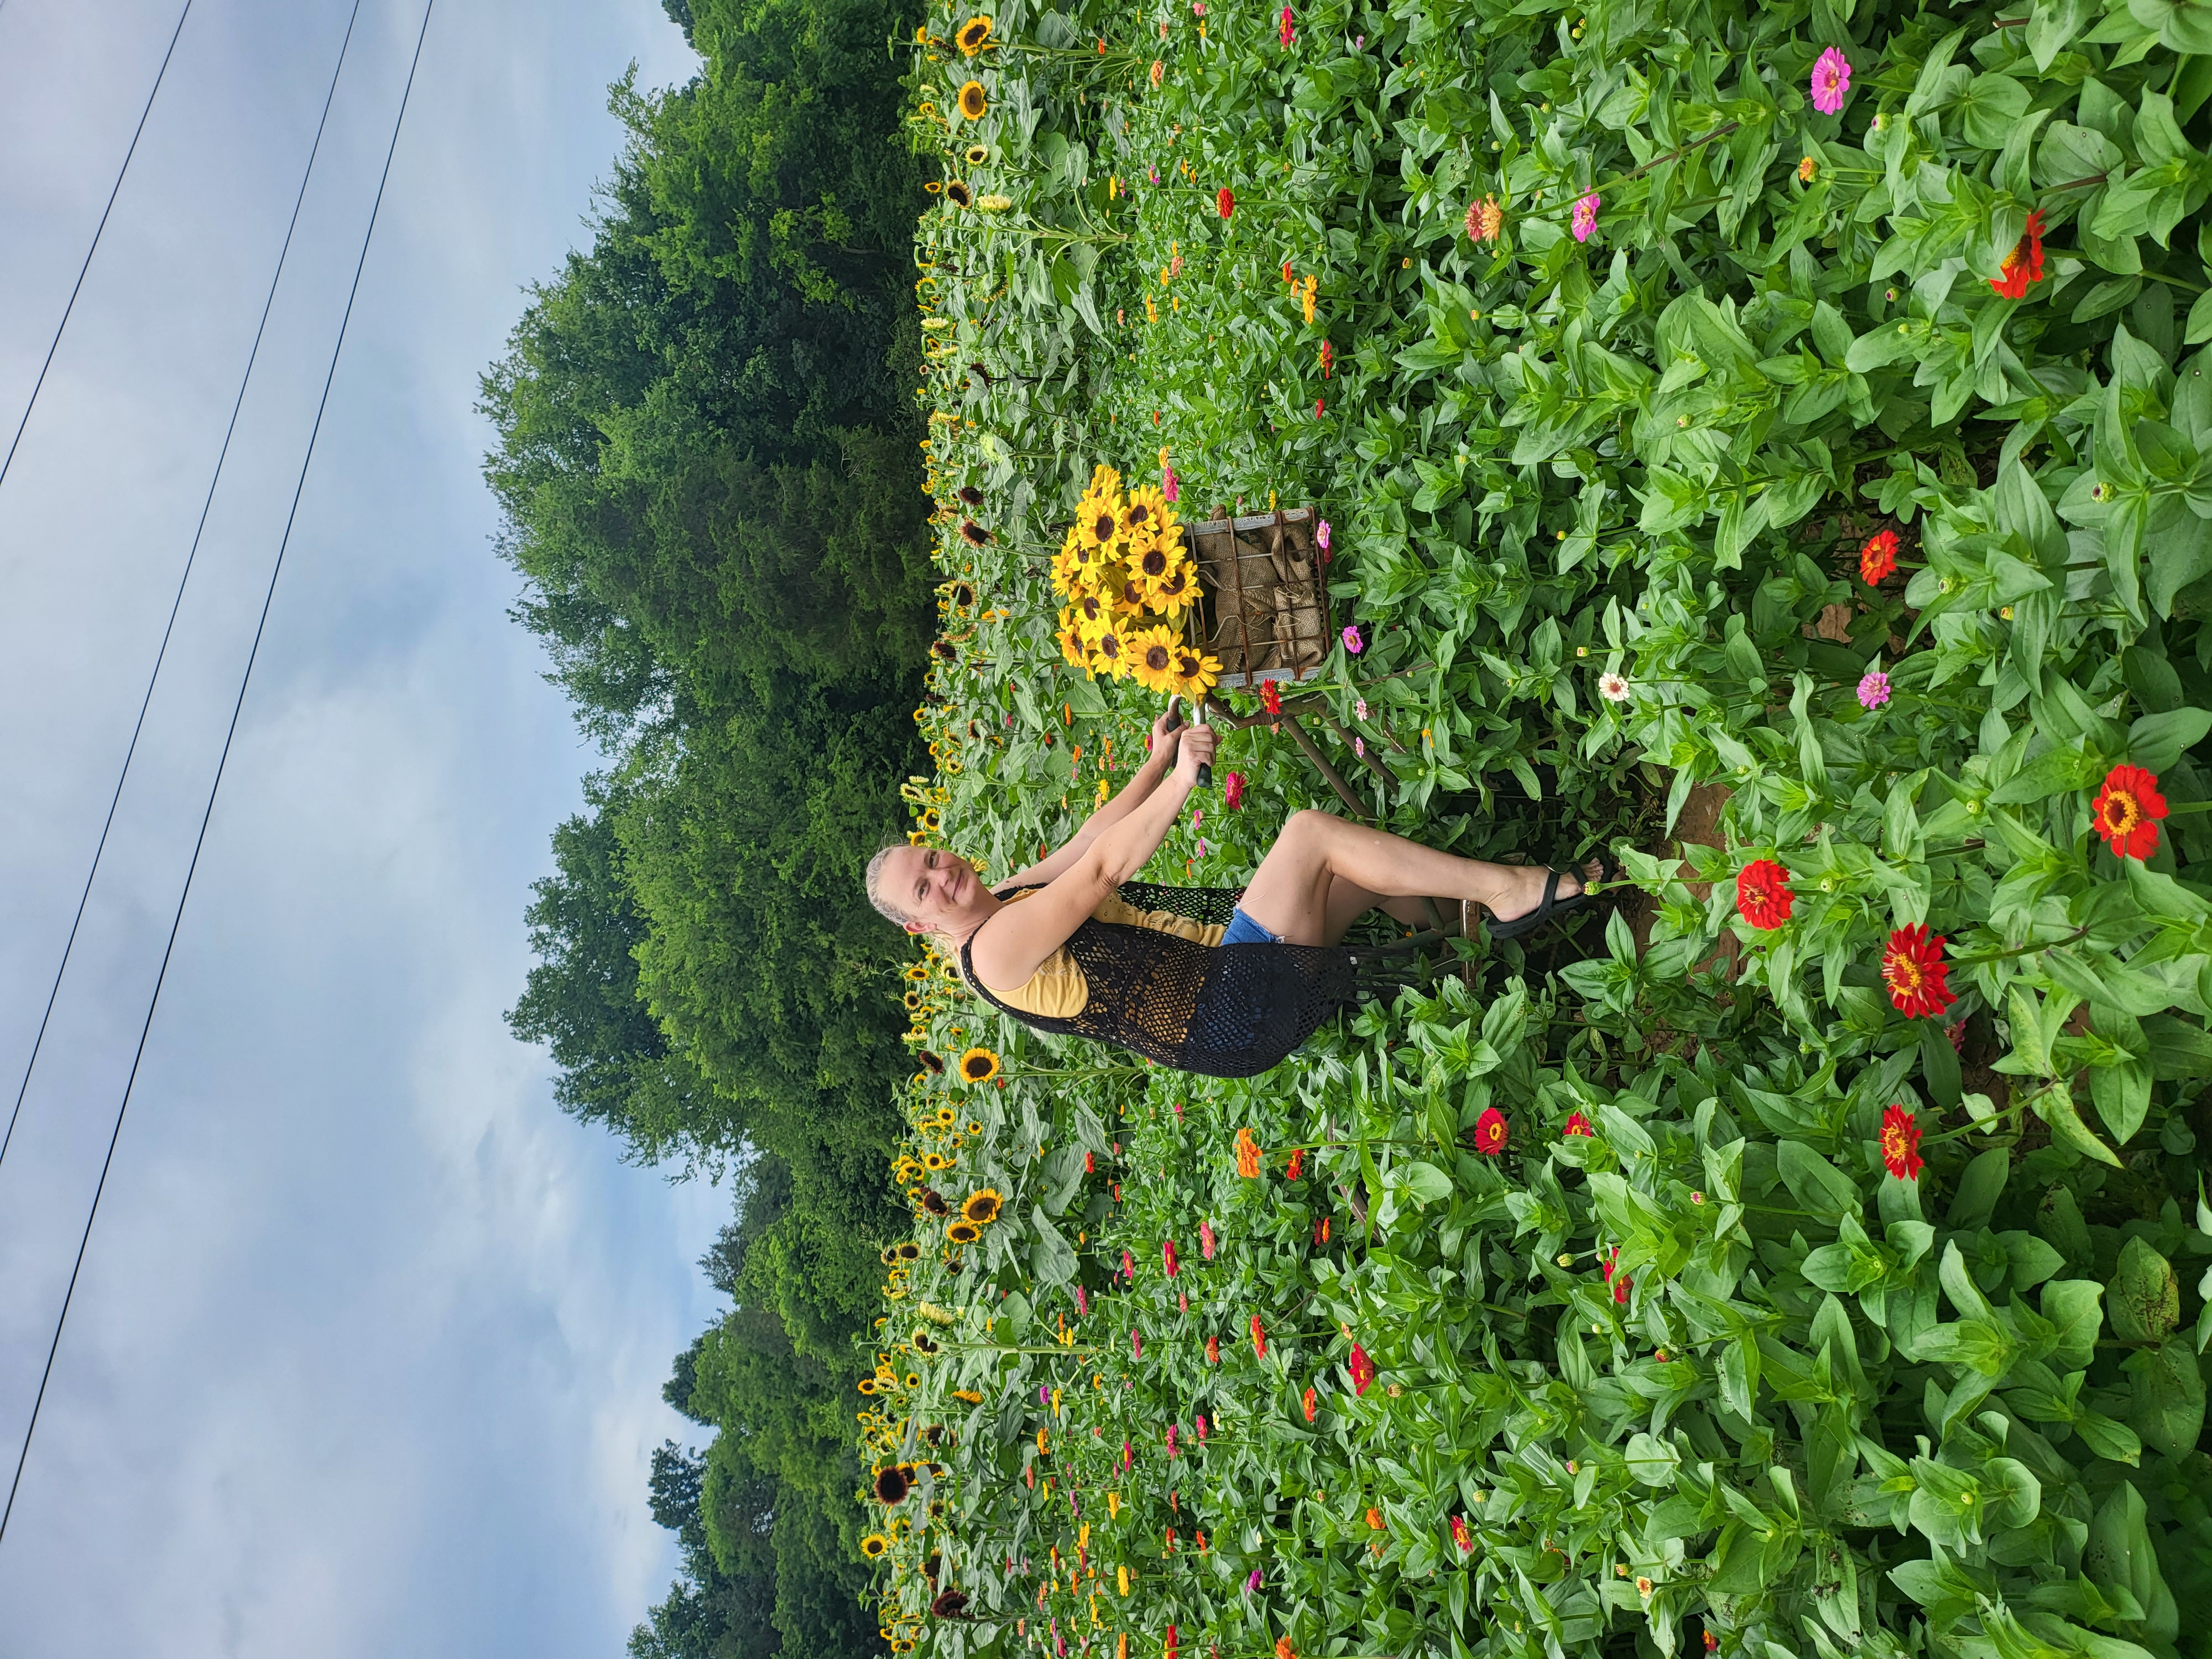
(1264, 608)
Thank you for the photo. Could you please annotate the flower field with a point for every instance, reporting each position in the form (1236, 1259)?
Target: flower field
(1769, 445)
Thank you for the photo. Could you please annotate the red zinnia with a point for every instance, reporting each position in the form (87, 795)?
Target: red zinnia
(1878, 557)
(1914, 969)
(1490, 1131)
(2024, 265)
(1258, 1340)
(1213, 1351)
(1620, 1285)
(1578, 1125)
(1460, 1535)
(1233, 791)
(1327, 357)
(2126, 811)
(1900, 1143)
(1762, 894)
(1288, 34)
(1309, 1403)
(1270, 696)
(1226, 201)
(1168, 1257)
(1297, 1163)
(1363, 1369)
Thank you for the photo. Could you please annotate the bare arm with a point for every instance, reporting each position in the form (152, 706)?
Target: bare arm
(1166, 730)
(1014, 943)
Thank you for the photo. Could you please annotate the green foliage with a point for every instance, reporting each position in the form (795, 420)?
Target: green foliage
(1710, 1371)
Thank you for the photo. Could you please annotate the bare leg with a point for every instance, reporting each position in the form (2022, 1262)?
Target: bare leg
(1294, 893)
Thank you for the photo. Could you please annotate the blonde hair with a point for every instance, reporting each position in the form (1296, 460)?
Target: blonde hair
(875, 886)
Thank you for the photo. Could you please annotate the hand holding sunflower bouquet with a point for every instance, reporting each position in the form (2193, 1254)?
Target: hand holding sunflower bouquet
(1127, 575)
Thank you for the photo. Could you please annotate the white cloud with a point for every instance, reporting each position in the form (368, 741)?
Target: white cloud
(367, 1354)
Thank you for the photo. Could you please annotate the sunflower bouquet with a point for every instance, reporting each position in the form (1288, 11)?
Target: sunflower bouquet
(1128, 576)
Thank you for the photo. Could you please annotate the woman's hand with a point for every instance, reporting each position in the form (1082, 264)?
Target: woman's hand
(1197, 750)
(1166, 731)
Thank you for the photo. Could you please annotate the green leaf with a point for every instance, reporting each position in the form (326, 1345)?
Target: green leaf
(1980, 1187)
(2156, 741)
(2119, 1556)
(2144, 1295)
(1817, 1184)
(2072, 1305)
(2055, 1106)
(1052, 1258)
(1425, 1183)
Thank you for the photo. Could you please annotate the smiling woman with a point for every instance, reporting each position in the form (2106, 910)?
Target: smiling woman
(1218, 981)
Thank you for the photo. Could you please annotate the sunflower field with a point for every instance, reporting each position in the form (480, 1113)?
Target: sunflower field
(1768, 445)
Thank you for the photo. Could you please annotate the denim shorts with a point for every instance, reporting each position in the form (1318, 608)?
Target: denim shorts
(1242, 930)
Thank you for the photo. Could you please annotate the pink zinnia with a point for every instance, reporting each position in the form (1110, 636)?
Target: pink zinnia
(1353, 642)
(1201, 1430)
(1232, 790)
(1082, 1302)
(1128, 1267)
(1874, 690)
(1831, 79)
(1320, 537)
(1169, 482)
(1171, 1440)
(1585, 220)
(1206, 1240)
(1136, 1345)
(1288, 33)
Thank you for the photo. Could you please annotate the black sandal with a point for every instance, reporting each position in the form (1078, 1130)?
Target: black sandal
(1550, 907)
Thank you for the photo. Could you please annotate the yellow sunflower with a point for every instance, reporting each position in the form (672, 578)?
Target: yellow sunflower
(912, 1000)
(945, 1116)
(933, 1162)
(917, 970)
(972, 101)
(978, 1065)
(1072, 644)
(909, 1251)
(1104, 480)
(958, 193)
(982, 1208)
(1152, 653)
(1144, 513)
(968, 1396)
(1113, 653)
(1098, 520)
(963, 1233)
(971, 36)
(874, 1545)
(1092, 617)
(1176, 591)
(1196, 673)
(978, 154)
(1129, 595)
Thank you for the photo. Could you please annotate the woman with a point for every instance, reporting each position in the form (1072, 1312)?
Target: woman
(1203, 980)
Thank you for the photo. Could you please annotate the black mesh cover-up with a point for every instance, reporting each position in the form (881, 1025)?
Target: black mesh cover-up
(1219, 1011)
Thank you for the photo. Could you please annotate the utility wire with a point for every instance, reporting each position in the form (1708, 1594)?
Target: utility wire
(84, 898)
(245, 680)
(71, 306)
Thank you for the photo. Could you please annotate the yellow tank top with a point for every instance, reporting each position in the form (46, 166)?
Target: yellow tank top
(1058, 989)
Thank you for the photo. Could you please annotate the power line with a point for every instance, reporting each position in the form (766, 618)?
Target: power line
(176, 605)
(71, 306)
(313, 435)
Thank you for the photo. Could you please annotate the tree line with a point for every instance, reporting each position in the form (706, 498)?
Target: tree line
(707, 459)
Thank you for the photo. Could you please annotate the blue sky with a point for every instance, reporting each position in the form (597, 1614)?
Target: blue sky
(366, 1353)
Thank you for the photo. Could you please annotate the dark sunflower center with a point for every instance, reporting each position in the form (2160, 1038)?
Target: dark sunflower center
(1103, 530)
(1155, 658)
(1139, 513)
(1156, 563)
